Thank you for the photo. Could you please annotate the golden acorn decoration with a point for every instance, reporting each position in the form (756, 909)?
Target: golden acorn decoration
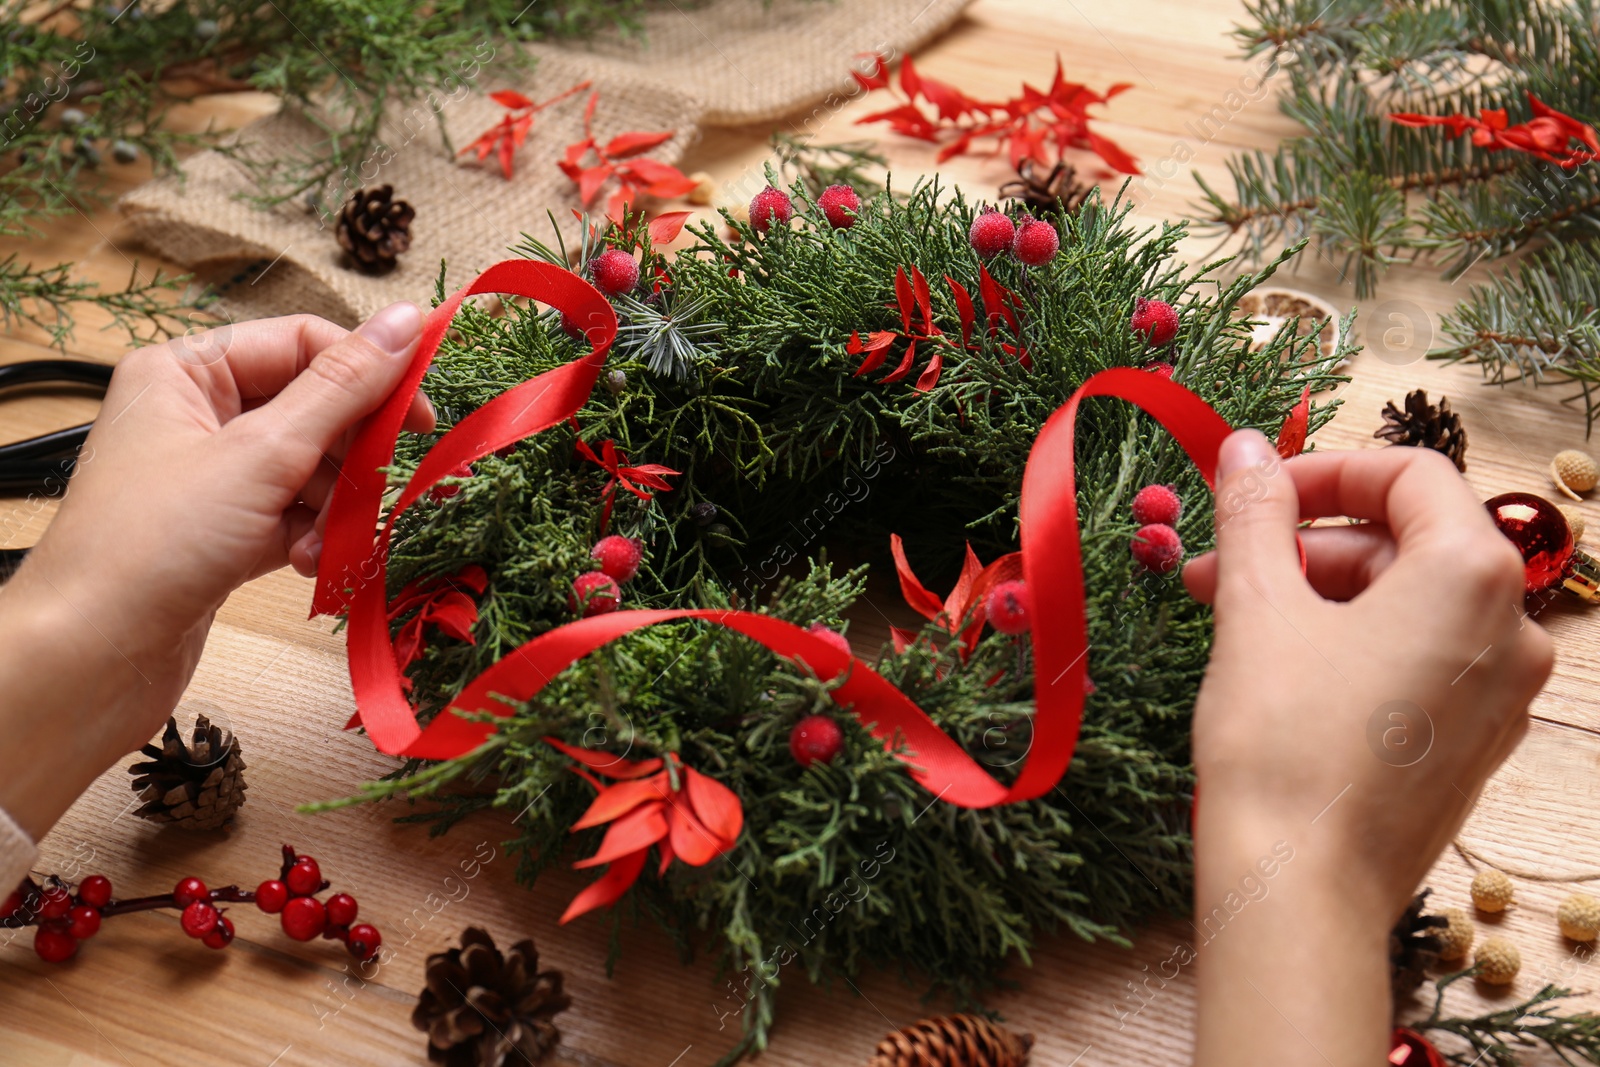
(1574, 472)
(953, 1041)
(1455, 940)
(198, 785)
(485, 1008)
(1498, 961)
(1579, 917)
(1491, 890)
(374, 228)
(1575, 521)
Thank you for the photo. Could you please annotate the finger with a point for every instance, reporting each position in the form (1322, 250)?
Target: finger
(305, 553)
(1257, 512)
(1341, 561)
(1416, 492)
(343, 383)
(420, 417)
(319, 486)
(261, 356)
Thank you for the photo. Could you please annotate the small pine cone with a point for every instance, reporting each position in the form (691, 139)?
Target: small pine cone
(1426, 426)
(1455, 940)
(1498, 961)
(1491, 890)
(1413, 946)
(197, 786)
(953, 1041)
(484, 1008)
(374, 228)
(1579, 917)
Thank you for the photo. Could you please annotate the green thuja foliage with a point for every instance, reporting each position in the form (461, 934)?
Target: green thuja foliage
(809, 468)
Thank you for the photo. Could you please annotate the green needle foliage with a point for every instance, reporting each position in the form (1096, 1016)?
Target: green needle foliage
(1372, 193)
(1501, 1037)
(810, 469)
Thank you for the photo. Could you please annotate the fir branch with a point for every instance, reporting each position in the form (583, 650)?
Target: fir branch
(1502, 1035)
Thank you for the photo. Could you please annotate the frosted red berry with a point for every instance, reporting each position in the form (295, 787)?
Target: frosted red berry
(342, 908)
(304, 877)
(1156, 503)
(816, 739)
(199, 918)
(1036, 243)
(53, 944)
(770, 206)
(95, 890)
(832, 636)
(1010, 607)
(595, 593)
(54, 902)
(1157, 548)
(1161, 369)
(614, 272)
(222, 936)
(444, 491)
(991, 233)
(83, 921)
(304, 918)
(271, 896)
(839, 204)
(1156, 319)
(363, 941)
(619, 556)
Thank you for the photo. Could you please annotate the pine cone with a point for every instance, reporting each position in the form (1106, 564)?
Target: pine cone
(1413, 948)
(197, 786)
(953, 1041)
(485, 1009)
(374, 228)
(1427, 426)
(1060, 188)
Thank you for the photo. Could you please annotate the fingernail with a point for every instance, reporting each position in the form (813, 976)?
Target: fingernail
(394, 328)
(314, 553)
(1246, 448)
(433, 412)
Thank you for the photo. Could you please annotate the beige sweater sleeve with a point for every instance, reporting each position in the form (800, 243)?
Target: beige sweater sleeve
(17, 853)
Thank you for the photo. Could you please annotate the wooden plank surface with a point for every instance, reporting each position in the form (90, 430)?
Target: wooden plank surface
(142, 993)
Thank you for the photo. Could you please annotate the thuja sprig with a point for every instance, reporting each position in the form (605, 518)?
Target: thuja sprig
(1498, 1036)
(65, 914)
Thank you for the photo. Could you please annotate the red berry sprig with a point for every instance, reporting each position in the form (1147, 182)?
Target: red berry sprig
(64, 917)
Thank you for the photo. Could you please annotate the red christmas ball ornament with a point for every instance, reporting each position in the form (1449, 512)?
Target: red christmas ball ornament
(221, 936)
(271, 896)
(770, 206)
(83, 921)
(614, 272)
(839, 204)
(1156, 319)
(992, 233)
(94, 891)
(363, 940)
(342, 908)
(54, 902)
(304, 918)
(1407, 1048)
(1157, 503)
(53, 944)
(1010, 607)
(1157, 548)
(832, 636)
(1541, 534)
(199, 918)
(595, 593)
(304, 877)
(619, 556)
(1036, 243)
(816, 739)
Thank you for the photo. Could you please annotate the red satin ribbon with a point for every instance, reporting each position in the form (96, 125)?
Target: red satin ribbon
(353, 565)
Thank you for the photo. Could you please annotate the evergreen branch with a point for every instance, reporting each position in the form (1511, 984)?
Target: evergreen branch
(49, 298)
(1500, 1036)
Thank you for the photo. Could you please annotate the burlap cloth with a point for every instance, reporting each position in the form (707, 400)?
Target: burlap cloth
(719, 63)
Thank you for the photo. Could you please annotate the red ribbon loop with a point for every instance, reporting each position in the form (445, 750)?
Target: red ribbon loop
(353, 573)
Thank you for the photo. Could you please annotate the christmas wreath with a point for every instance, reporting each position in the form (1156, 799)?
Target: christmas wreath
(838, 387)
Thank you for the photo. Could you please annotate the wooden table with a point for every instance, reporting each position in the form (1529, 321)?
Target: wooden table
(144, 994)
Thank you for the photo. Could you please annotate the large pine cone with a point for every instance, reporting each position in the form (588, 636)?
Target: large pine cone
(953, 1041)
(197, 786)
(1426, 426)
(485, 1009)
(374, 228)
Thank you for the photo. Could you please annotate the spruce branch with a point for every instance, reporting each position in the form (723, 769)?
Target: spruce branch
(1503, 1035)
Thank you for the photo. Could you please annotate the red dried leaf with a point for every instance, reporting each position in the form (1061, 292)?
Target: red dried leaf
(510, 98)
(664, 229)
(910, 83)
(590, 181)
(1113, 154)
(1292, 436)
(631, 144)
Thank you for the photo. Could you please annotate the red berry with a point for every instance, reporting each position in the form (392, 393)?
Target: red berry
(839, 204)
(1156, 319)
(1157, 503)
(816, 738)
(443, 491)
(1157, 547)
(54, 902)
(83, 921)
(770, 206)
(363, 941)
(619, 556)
(304, 918)
(991, 233)
(1036, 243)
(615, 272)
(199, 918)
(341, 909)
(595, 593)
(95, 890)
(222, 936)
(54, 945)
(832, 636)
(188, 891)
(11, 904)
(1009, 607)
(304, 878)
(1161, 369)
(271, 896)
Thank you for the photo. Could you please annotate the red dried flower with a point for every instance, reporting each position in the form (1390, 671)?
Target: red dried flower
(1547, 136)
(618, 158)
(506, 136)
